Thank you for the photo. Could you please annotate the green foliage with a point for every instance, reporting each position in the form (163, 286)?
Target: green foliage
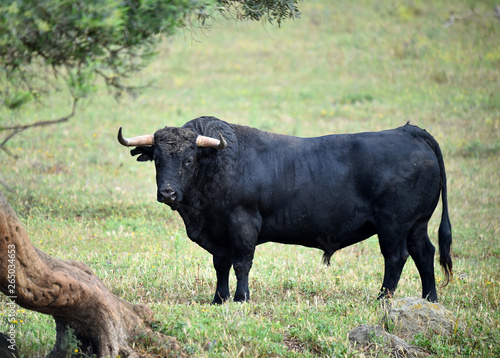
(70, 343)
(77, 39)
(113, 38)
(14, 99)
(268, 10)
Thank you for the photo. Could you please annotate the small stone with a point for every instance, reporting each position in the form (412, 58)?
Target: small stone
(411, 316)
(376, 338)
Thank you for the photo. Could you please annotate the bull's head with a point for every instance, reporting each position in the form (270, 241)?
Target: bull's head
(176, 153)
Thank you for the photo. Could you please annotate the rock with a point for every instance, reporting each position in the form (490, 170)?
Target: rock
(376, 338)
(365, 334)
(410, 316)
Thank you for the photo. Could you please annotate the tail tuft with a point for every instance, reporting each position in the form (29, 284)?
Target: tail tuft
(326, 258)
(445, 240)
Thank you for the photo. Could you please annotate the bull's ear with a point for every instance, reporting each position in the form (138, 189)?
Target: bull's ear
(146, 153)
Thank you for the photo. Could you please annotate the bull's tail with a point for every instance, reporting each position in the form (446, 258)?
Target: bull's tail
(444, 233)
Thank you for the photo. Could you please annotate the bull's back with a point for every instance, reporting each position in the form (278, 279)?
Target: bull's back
(335, 187)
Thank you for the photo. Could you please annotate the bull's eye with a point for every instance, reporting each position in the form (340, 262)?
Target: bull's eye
(188, 162)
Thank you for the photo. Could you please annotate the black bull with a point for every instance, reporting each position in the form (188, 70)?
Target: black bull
(250, 187)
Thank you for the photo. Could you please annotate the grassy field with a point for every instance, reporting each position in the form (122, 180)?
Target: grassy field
(343, 67)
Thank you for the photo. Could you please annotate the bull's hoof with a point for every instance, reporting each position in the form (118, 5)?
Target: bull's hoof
(218, 300)
(241, 297)
(431, 297)
(385, 294)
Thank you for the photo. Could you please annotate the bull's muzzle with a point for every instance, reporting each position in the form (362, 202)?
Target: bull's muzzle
(167, 195)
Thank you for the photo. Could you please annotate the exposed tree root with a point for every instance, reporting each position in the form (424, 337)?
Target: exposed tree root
(82, 306)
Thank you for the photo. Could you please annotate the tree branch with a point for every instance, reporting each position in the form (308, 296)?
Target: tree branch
(114, 81)
(20, 128)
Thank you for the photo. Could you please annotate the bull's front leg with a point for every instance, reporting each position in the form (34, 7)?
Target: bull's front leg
(221, 254)
(244, 230)
(222, 267)
(242, 265)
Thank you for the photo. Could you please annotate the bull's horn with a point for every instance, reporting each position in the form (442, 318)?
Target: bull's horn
(147, 139)
(210, 142)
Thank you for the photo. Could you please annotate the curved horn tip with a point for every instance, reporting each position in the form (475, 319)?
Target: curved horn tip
(120, 138)
(223, 143)
(146, 140)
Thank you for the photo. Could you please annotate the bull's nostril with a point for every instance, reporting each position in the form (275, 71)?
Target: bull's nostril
(166, 195)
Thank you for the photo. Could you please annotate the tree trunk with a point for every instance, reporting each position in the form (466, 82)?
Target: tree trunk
(80, 303)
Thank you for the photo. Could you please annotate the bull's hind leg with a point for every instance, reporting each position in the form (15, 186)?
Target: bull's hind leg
(222, 267)
(393, 246)
(422, 252)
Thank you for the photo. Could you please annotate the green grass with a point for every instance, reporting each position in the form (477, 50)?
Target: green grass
(343, 67)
